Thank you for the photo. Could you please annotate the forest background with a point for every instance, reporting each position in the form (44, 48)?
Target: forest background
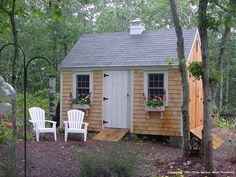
(50, 28)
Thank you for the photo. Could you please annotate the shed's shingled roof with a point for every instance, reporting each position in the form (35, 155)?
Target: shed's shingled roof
(121, 49)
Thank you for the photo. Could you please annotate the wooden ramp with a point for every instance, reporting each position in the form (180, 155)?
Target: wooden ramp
(111, 134)
(217, 141)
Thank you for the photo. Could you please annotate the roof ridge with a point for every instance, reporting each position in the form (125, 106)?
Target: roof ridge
(127, 32)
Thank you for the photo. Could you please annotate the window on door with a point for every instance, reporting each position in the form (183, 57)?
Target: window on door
(156, 85)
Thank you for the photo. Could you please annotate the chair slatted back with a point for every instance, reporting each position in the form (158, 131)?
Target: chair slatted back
(38, 114)
(75, 118)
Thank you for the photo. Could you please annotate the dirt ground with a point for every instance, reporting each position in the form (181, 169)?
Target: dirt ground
(48, 158)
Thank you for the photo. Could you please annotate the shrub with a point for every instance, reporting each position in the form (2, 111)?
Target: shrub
(223, 123)
(60, 129)
(39, 98)
(8, 163)
(233, 124)
(216, 116)
(5, 132)
(3, 170)
(118, 161)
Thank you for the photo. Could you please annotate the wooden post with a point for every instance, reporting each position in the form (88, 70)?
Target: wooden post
(52, 86)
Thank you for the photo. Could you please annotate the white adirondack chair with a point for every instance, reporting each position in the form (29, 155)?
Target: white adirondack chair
(75, 123)
(38, 120)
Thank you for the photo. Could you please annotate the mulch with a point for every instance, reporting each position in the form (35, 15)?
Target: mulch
(48, 158)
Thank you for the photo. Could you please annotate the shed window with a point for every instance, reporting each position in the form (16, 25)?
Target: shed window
(156, 85)
(82, 84)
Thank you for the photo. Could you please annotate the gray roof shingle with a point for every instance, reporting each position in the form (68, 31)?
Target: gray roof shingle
(121, 49)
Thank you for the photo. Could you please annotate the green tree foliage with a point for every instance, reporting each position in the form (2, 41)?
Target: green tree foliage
(196, 70)
(50, 29)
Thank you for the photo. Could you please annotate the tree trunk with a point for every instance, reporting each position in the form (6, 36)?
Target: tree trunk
(16, 53)
(227, 88)
(54, 49)
(52, 104)
(221, 89)
(11, 14)
(184, 78)
(220, 66)
(207, 123)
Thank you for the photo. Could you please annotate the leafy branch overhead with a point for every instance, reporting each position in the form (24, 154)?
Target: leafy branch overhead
(196, 70)
(221, 12)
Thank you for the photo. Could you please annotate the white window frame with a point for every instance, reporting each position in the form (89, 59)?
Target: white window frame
(165, 83)
(90, 83)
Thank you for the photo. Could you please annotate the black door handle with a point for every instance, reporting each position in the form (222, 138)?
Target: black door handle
(104, 122)
(104, 98)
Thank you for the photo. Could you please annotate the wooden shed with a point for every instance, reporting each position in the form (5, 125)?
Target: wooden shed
(121, 70)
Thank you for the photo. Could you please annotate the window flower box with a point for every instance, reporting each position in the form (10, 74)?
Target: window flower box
(81, 102)
(81, 106)
(155, 109)
(155, 104)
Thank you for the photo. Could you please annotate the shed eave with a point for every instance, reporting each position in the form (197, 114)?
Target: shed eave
(116, 66)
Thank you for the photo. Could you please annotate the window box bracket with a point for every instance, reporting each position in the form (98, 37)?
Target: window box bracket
(149, 109)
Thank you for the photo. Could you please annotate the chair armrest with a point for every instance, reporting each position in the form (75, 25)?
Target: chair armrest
(66, 122)
(50, 121)
(85, 125)
(35, 126)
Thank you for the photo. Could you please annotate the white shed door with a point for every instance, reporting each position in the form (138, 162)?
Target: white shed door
(116, 96)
